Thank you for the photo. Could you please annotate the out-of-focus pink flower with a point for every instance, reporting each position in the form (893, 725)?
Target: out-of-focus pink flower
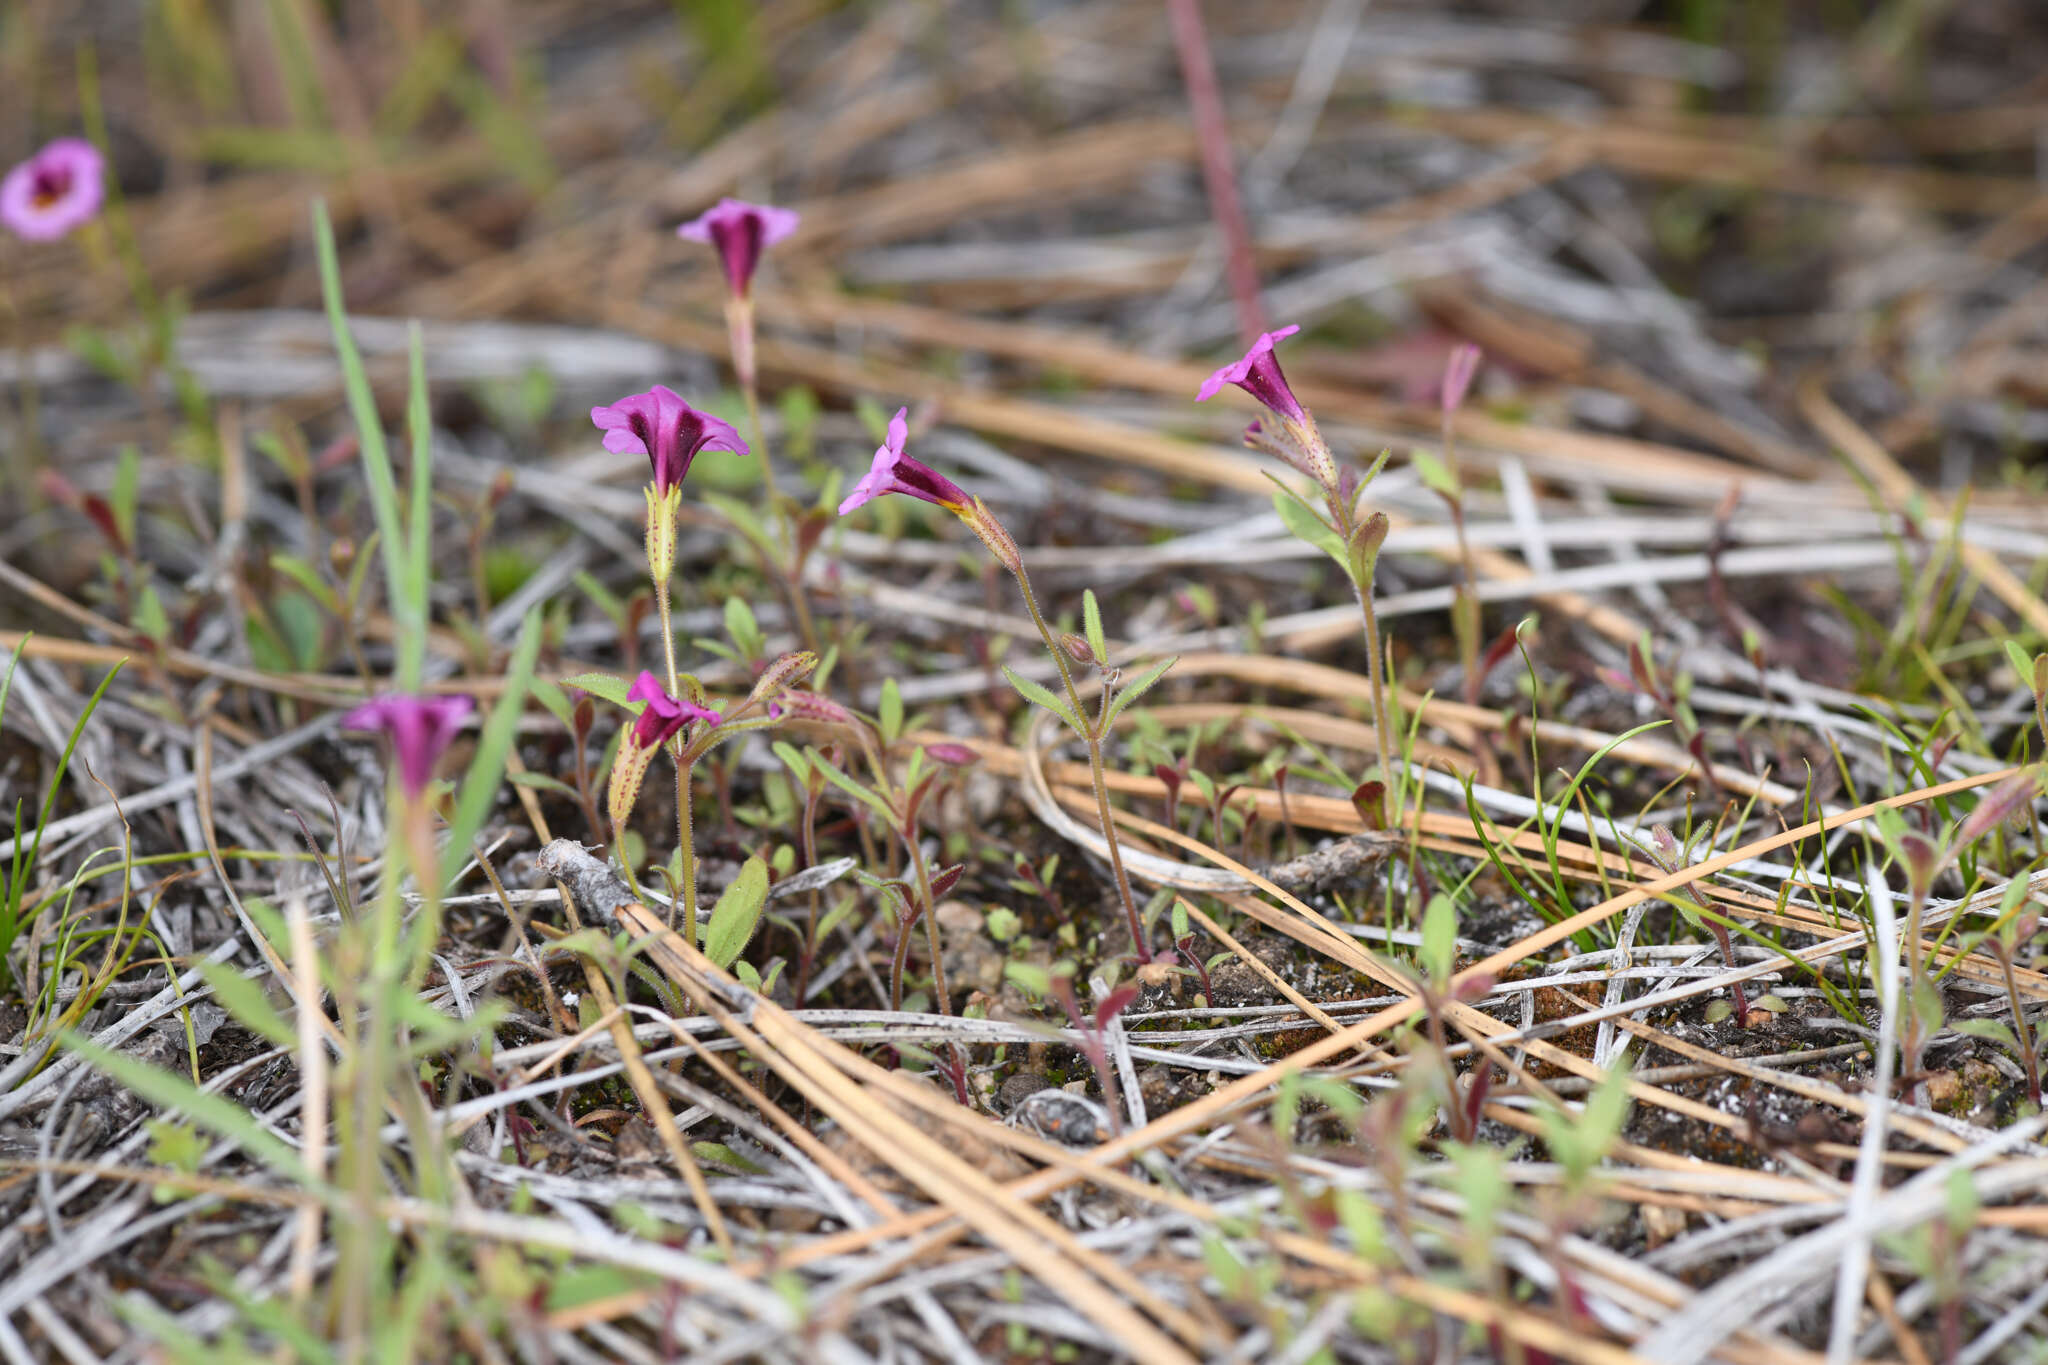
(420, 729)
(810, 706)
(740, 232)
(54, 191)
(957, 755)
(1258, 374)
(663, 715)
(895, 472)
(668, 431)
(1458, 372)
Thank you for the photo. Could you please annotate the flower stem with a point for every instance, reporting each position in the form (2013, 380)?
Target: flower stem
(686, 846)
(1212, 135)
(931, 921)
(1093, 735)
(739, 321)
(683, 839)
(1361, 586)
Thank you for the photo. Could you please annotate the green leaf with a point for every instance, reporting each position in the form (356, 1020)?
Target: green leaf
(891, 714)
(737, 914)
(743, 628)
(2022, 666)
(819, 763)
(479, 789)
(1989, 1028)
(1139, 686)
(1439, 938)
(1029, 977)
(543, 782)
(245, 1000)
(725, 1156)
(1303, 523)
(793, 759)
(555, 700)
(605, 686)
(1091, 618)
(1362, 1223)
(215, 1113)
(150, 617)
(574, 1286)
(1035, 692)
(1606, 1110)
(1436, 475)
(174, 1144)
(303, 573)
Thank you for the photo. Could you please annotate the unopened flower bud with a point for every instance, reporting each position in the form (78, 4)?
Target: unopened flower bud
(1367, 539)
(629, 769)
(812, 707)
(1077, 648)
(783, 671)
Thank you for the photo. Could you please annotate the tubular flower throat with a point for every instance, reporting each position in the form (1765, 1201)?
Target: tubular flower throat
(740, 232)
(1298, 441)
(419, 728)
(667, 430)
(895, 472)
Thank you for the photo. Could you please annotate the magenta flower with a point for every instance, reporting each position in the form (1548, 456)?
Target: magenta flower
(668, 431)
(1258, 374)
(741, 232)
(895, 472)
(663, 715)
(54, 191)
(1458, 372)
(420, 729)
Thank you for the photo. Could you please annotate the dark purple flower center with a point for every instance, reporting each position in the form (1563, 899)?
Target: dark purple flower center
(739, 245)
(51, 184)
(1265, 383)
(638, 424)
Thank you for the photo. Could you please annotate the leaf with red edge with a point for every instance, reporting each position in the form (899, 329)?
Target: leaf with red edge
(1369, 799)
(946, 879)
(1113, 1004)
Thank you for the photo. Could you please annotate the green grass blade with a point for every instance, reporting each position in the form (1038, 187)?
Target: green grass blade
(412, 648)
(24, 860)
(487, 770)
(408, 613)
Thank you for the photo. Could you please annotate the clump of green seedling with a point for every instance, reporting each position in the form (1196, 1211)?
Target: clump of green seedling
(1923, 859)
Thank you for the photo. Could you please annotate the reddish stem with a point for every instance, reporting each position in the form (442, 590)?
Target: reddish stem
(1212, 134)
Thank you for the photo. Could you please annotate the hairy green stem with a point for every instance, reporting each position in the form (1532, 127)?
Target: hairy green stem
(1361, 586)
(1093, 735)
